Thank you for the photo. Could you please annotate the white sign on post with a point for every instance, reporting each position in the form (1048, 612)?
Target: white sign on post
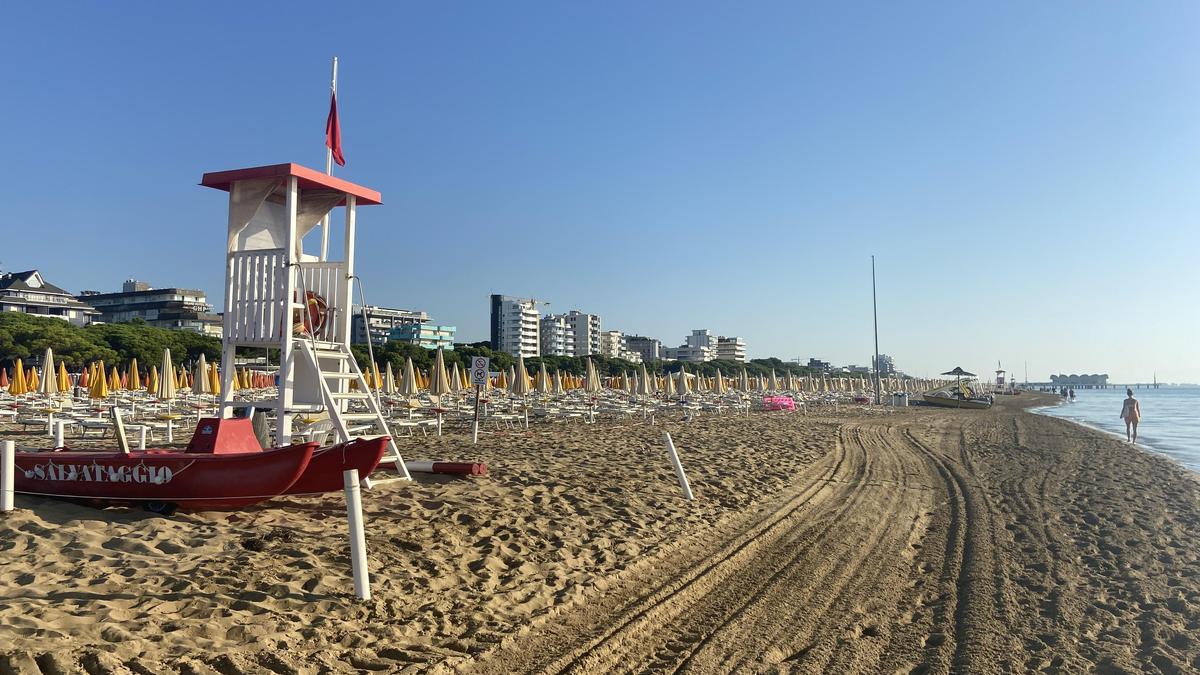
(479, 371)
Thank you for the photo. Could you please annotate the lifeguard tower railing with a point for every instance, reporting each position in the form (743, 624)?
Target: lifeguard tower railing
(255, 311)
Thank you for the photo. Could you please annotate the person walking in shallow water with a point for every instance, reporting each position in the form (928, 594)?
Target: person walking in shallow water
(1131, 412)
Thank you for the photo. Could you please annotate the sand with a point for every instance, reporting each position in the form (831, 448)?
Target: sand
(919, 540)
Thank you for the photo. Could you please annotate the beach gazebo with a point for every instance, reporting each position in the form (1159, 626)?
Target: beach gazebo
(278, 296)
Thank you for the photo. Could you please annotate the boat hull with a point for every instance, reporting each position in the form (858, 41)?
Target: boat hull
(324, 472)
(948, 402)
(188, 481)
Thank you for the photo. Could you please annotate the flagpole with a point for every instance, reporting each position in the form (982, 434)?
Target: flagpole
(328, 172)
(875, 313)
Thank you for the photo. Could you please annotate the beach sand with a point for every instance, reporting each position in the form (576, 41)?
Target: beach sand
(918, 540)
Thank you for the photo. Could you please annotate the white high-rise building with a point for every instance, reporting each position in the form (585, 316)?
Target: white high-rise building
(587, 332)
(731, 348)
(515, 326)
(558, 336)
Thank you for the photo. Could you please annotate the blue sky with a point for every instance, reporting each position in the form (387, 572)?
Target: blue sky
(1025, 173)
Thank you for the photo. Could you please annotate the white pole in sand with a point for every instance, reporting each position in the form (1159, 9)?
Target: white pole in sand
(142, 438)
(358, 540)
(683, 481)
(8, 467)
(60, 434)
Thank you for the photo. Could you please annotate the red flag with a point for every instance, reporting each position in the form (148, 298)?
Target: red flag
(333, 133)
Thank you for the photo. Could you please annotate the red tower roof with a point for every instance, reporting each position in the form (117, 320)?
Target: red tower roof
(308, 179)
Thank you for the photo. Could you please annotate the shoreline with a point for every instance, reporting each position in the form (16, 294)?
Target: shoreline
(852, 541)
(1149, 448)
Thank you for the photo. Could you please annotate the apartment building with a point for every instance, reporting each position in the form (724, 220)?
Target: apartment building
(731, 349)
(557, 336)
(515, 325)
(380, 321)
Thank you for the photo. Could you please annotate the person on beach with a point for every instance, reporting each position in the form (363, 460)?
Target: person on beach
(1131, 412)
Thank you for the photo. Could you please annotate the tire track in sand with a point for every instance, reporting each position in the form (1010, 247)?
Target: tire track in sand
(827, 556)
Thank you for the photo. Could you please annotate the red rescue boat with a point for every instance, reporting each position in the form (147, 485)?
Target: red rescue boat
(324, 472)
(162, 480)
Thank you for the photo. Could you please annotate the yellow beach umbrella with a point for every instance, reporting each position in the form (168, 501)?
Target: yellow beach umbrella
(18, 386)
(152, 384)
(214, 380)
(33, 381)
(64, 380)
(99, 387)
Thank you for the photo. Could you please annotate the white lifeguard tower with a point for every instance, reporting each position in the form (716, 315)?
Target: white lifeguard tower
(277, 296)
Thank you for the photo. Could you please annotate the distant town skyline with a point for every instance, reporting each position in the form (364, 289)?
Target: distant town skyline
(1025, 175)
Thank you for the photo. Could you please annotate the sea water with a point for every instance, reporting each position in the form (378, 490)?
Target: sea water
(1170, 418)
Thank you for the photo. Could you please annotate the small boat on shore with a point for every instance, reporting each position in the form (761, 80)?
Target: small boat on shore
(324, 472)
(958, 395)
(223, 467)
(163, 480)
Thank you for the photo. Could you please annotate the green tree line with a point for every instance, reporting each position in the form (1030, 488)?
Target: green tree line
(26, 337)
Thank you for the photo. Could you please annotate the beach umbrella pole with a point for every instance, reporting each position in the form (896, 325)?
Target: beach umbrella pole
(60, 434)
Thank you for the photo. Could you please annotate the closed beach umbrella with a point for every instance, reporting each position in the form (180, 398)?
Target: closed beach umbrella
(520, 380)
(3, 378)
(165, 391)
(645, 386)
(200, 382)
(773, 383)
(114, 379)
(389, 380)
(214, 380)
(592, 384)
(455, 378)
(439, 384)
(152, 381)
(502, 380)
(135, 381)
(744, 381)
(99, 383)
(682, 387)
(668, 386)
(49, 383)
(64, 380)
(558, 383)
(408, 384)
(719, 383)
(544, 385)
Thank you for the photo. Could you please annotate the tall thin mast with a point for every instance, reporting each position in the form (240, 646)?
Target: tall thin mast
(328, 171)
(875, 311)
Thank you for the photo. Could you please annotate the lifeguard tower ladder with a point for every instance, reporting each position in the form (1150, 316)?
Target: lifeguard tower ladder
(277, 296)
